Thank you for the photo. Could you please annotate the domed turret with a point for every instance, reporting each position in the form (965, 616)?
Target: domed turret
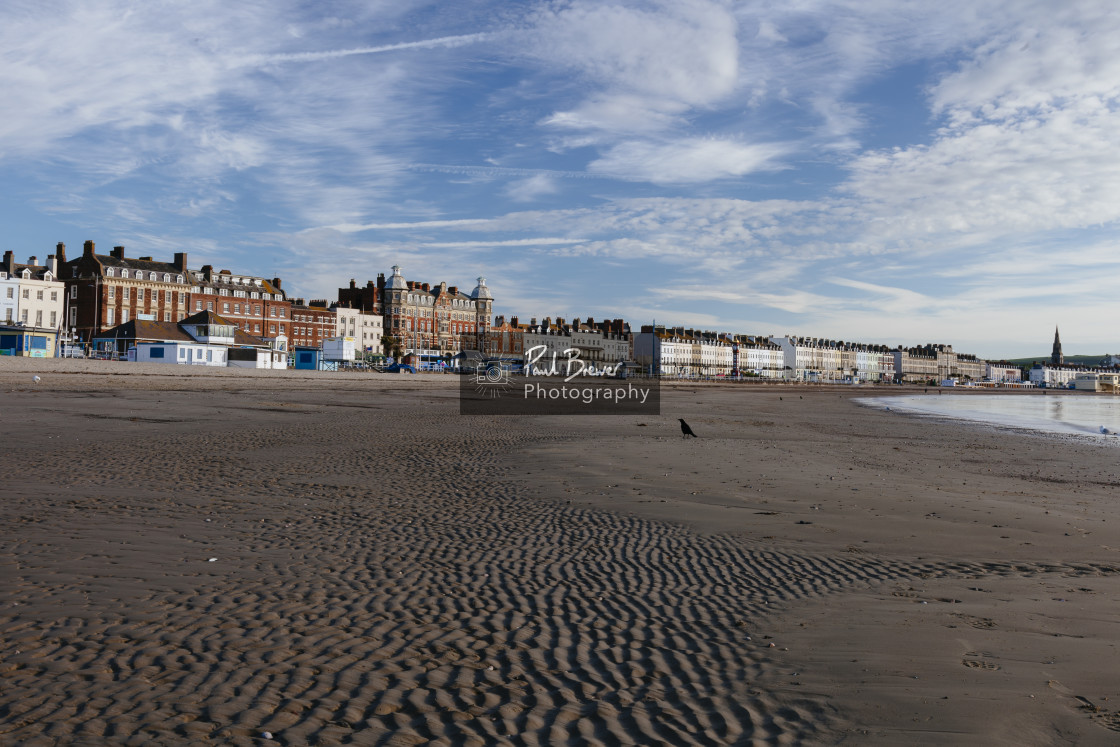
(481, 291)
(396, 282)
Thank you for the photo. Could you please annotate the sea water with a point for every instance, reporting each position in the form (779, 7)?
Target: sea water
(1079, 415)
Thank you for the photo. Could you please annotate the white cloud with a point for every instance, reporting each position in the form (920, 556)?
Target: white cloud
(532, 189)
(684, 52)
(689, 160)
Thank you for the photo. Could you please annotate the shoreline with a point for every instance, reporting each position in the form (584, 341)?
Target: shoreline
(807, 570)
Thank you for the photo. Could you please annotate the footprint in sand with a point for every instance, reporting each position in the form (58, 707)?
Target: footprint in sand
(974, 664)
(975, 660)
(1109, 721)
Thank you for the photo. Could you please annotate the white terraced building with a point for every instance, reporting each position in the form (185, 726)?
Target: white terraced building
(760, 357)
(682, 353)
(820, 360)
(31, 294)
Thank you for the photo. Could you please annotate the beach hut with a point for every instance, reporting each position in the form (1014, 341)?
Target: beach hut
(306, 358)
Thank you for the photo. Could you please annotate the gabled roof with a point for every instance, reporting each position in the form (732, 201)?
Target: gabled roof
(206, 317)
(142, 330)
(38, 272)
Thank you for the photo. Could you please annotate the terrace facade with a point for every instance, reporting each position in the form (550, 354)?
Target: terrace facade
(31, 295)
(433, 321)
(103, 291)
(253, 304)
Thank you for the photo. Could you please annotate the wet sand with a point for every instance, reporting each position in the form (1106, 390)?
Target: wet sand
(386, 571)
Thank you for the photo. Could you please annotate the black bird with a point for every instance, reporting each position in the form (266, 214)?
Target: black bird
(685, 430)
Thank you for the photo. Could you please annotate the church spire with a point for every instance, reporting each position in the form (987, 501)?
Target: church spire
(1056, 356)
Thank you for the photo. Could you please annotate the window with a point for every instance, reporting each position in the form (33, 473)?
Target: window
(182, 353)
(281, 313)
(110, 272)
(112, 292)
(73, 316)
(124, 316)
(282, 327)
(209, 305)
(27, 294)
(151, 276)
(257, 327)
(256, 309)
(73, 291)
(109, 316)
(139, 294)
(198, 305)
(23, 317)
(39, 318)
(11, 292)
(39, 295)
(272, 311)
(155, 353)
(236, 308)
(178, 278)
(166, 278)
(124, 293)
(272, 329)
(54, 319)
(167, 316)
(225, 308)
(209, 356)
(54, 295)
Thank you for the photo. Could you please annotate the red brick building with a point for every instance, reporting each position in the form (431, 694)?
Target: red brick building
(311, 323)
(506, 339)
(103, 291)
(435, 320)
(255, 305)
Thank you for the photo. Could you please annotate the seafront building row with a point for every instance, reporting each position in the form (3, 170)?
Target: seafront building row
(110, 304)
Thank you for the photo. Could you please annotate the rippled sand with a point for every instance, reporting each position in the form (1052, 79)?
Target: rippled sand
(386, 571)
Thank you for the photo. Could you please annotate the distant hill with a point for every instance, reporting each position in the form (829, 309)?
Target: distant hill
(1081, 360)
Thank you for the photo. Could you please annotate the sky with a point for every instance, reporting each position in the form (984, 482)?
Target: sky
(893, 173)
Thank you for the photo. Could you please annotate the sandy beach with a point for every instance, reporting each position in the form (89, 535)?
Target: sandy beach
(250, 557)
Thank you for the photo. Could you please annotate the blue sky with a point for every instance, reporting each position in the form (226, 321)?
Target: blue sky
(886, 172)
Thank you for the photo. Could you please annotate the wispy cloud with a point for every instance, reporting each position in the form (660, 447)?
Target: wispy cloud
(838, 167)
(447, 42)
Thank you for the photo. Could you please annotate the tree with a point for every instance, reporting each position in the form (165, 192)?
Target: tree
(391, 345)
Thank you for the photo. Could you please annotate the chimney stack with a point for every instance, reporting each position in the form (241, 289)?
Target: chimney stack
(10, 263)
(88, 249)
(181, 261)
(33, 260)
(118, 252)
(60, 252)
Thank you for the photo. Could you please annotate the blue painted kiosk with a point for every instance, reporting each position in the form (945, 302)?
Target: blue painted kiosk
(306, 358)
